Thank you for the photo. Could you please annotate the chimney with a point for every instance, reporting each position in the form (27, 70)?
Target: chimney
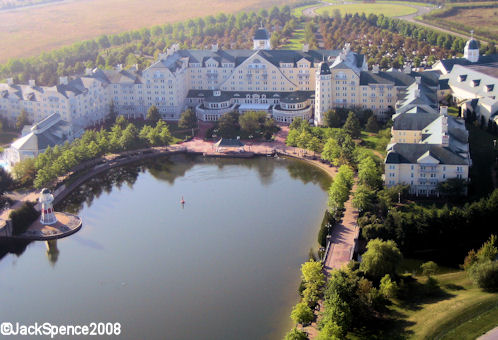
(408, 68)
(375, 68)
(10, 81)
(32, 83)
(63, 80)
(445, 141)
(443, 110)
(306, 48)
(88, 71)
(444, 124)
(418, 80)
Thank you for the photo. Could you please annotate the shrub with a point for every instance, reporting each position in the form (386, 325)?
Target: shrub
(296, 334)
(23, 217)
(302, 314)
(485, 275)
(429, 268)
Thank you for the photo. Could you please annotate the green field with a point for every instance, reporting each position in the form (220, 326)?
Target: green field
(386, 9)
(482, 17)
(458, 310)
(296, 42)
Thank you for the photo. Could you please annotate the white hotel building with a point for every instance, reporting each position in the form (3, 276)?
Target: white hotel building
(285, 83)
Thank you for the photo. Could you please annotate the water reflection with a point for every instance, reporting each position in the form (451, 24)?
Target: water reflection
(166, 169)
(143, 261)
(52, 251)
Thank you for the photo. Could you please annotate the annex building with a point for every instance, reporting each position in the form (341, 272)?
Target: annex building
(472, 81)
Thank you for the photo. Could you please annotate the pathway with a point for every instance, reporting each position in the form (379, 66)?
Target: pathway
(343, 238)
(491, 335)
(421, 10)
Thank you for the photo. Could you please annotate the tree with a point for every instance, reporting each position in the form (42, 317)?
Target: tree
(111, 116)
(352, 125)
(291, 139)
(302, 313)
(368, 173)
(6, 181)
(153, 115)
(331, 331)
(312, 273)
(188, 119)
(372, 125)
(452, 187)
(296, 334)
(314, 144)
(22, 120)
(429, 268)
(364, 198)
(332, 119)
(381, 258)
(228, 125)
(331, 150)
(387, 287)
(252, 122)
(121, 122)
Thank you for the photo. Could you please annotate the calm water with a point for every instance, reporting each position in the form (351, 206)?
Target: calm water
(226, 266)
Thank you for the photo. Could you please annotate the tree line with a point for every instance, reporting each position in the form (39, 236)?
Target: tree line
(60, 159)
(386, 41)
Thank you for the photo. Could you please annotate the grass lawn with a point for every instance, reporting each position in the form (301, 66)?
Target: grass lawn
(462, 17)
(386, 9)
(457, 310)
(296, 42)
(481, 153)
(7, 137)
(375, 142)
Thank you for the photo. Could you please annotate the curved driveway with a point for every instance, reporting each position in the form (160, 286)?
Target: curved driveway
(421, 10)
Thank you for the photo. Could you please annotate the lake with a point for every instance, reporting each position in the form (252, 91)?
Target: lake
(226, 265)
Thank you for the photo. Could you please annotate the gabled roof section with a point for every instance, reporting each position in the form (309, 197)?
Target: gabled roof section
(404, 153)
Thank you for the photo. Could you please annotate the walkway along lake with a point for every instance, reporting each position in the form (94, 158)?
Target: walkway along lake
(224, 266)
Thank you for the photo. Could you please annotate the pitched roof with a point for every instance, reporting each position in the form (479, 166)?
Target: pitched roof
(415, 121)
(483, 59)
(261, 34)
(404, 153)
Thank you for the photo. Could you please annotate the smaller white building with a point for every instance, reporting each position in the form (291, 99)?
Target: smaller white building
(51, 131)
(261, 40)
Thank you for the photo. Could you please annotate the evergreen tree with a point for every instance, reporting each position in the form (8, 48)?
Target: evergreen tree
(352, 125)
(153, 115)
(372, 125)
(188, 119)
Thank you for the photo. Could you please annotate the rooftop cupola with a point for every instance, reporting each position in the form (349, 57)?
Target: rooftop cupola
(471, 50)
(261, 39)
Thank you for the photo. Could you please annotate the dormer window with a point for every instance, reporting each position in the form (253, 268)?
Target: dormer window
(462, 77)
(489, 88)
(476, 82)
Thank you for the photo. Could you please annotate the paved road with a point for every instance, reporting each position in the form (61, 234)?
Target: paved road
(421, 10)
(491, 335)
